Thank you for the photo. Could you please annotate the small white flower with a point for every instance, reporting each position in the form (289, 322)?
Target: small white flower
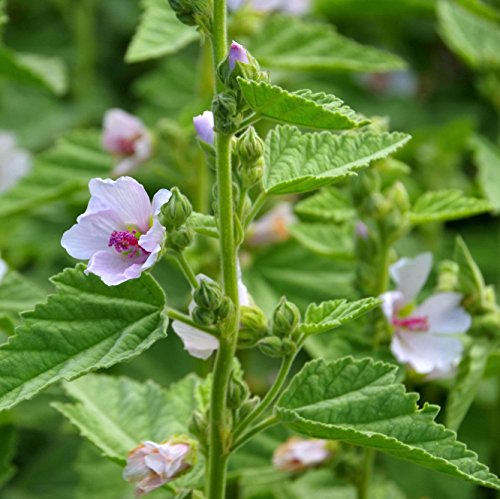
(119, 233)
(294, 7)
(272, 227)
(198, 343)
(151, 465)
(425, 335)
(126, 136)
(298, 454)
(3, 269)
(15, 162)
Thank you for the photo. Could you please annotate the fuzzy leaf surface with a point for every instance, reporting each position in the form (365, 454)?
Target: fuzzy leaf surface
(359, 402)
(84, 326)
(288, 43)
(334, 313)
(304, 108)
(441, 206)
(475, 38)
(296, 162)
(159, 33)
(324, 239)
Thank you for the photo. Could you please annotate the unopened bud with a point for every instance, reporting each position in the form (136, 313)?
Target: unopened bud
(203, 317)
(208, 295)
(250, 147)
(247, 407)
(275, 347)
(237, 392)
(204, 126)
(226, 113)
(398, 195)
(286, 317)
(193, 12)
(224, 309)
(448, 276)
(198, 425)
(253, 326)
(176, 211)
(180, 239)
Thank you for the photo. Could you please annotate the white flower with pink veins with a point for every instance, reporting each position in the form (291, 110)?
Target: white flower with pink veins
(15, 163)
(426, 336)
(125, 136)
(119, 233)
(151, 465)
(272, 227)
(298, 454)
(294, 7)
(198, 343)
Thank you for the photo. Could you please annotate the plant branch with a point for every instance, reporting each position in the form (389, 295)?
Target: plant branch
(257, 206)
(186, 269)
(179, 316)
(263, 425)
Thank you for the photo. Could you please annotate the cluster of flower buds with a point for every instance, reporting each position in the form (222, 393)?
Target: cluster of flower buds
(152, 465)
(284, 329)
(238, 391)
(173, 216)
(253, 326)
(211, 306)
(250, 151)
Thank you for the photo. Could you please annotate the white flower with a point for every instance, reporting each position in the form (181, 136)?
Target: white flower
(425, 335)
(198, 343)
(3, 269)
(15, 163)
(126, 136)
(298, 454)
(294, 7)
(151, 465)
(119, 233)
(272, 227)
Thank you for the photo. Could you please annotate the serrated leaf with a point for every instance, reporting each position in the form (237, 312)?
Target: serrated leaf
(289, 43)
(17, 294)
(359, 402)
(475, 38)
(117, 413)
(487, 159)
(159, 33)
(470, 373)
(65, 168)
(327, 205)
(33, 69)
(324, 239)
(84, 326)
(334, 313)
(296, 162)
(203, 224)
(304, 108)
(441, 206)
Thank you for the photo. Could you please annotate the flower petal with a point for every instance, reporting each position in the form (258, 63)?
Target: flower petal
(410, 274)
(3, 269)
(120, 126)
(198, 343)
(125, 196)
(391, 302)
(152, 242)
(204, 126)
(91, 234)
(114, 268)
(444, 313)
(159, 199)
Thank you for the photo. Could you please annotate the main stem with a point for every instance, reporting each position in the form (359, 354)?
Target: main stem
(219, 424)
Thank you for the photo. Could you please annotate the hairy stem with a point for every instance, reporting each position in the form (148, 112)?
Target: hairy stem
(263, 425)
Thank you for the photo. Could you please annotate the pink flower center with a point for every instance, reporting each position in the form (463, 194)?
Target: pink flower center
(414, 324)
(126, 146)
(127, 243)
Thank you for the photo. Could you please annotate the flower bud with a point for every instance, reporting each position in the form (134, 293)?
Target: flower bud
(152, 465)
(250, 147)
(208, 295)
(398, 196)
(176, 211)
(226, 113)
(193, 12)
(203, 317)
(204, 125)
(275, 347)
(198, 425)
(248, 406)
(298, 454)
(180, 239)
(224, 309)
(448, 276)
(253, 326)
(237, 392)
(286, 317)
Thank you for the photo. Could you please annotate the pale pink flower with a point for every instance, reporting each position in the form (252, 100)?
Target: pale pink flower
(3, 269)
(204, 125)
(298, 454)
(237, 53)
(294, 7)
(151, 465)
(15, 162)
(119, 233)
(198, 343)
(125, 136)
(425, 335)
(272, 227)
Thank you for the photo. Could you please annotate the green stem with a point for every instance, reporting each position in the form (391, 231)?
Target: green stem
(186, 269)
(263, 425)
(249, 120)
(363, 486)
(219, 424)
(179, 316)
(257, 206)
(270, 396)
